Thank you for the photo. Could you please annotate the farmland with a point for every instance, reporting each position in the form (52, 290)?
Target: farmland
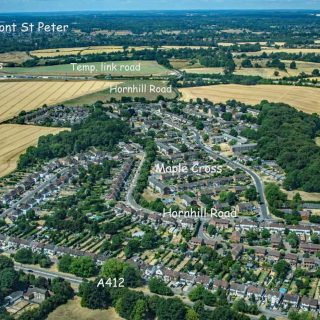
(56, 52)
(303, 98)
(287, 50)
(264, 72)
(105, 95)
(28, 95)
(15, 56)
(15, 139)
(115, 68)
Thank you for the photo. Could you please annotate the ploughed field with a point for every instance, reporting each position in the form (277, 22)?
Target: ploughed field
(303, 98)
(15, 139)
(29, 95)
(114, 68)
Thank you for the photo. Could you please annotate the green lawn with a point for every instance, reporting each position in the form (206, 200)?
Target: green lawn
(115, 68)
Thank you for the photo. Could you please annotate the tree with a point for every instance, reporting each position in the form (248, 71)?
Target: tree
(45, 262)
(293, 65)
(132, 247)
(158, 286)
(140, 310)
(126, 303)
(171, 309)
(265, 234)
(251, 194)
(64, 263)
(8, 279)
(5, 262)
(115, 269)
(293, 239)
(282, 268)
(94, 297)
(24, 255)
(83, 267)
(192, 315)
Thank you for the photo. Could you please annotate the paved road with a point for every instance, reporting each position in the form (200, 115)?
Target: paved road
(257, 180)
(129, 196)
(48, 274)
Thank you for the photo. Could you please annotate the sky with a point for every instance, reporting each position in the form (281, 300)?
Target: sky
(112, 5)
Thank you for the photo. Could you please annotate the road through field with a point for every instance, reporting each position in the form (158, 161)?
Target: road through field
(303, 98)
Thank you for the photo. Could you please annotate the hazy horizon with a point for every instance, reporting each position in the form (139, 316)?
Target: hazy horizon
(21, 6)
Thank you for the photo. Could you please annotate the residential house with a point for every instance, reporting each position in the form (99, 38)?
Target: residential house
(219, 223)
(309, 263)
(204, 280)
(36, 294)
(188, 201)
(273, 296)
(292, 259)
(236, 237)
(310, 247)
(186, 278)
(237, 251)
(256, 292)
(158, 185)
(220, 284)
(237, 289)
(273, 256)
(276, 240)
(309, 304)
(290, 300)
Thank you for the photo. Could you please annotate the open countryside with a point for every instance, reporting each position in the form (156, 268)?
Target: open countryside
(264, 72)
(115, 68)
(23, 95)
(303, 98)
(15, 139)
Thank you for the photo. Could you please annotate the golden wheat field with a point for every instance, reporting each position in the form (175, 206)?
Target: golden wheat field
(50, 53)
(264, 72)
(14, 56)
(15, 139)
(287, 50)
(303, 98)
(29, 95)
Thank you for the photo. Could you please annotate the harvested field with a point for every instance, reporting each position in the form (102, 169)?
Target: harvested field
(288, 50)
(14, 56)
(116, 68)
(49, 53)
(209, 70)
(56, 52)
(29, 95)
(72, 310)
(15, 139)
(267, 73)
(302, 98)
(105, 95)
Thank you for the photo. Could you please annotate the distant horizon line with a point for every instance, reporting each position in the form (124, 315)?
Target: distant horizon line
(162, 10)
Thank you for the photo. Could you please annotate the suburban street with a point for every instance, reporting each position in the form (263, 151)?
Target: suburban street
(257, 180)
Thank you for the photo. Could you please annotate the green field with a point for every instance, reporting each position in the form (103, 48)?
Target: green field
(105, 95)
(115, 68)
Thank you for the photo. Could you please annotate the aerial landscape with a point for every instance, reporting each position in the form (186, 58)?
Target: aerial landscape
(159, 160)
